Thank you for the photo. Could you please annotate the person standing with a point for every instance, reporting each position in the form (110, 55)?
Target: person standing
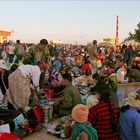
(93, 49)
(19, 51)
(52, 50)
(39, 52)
(129, 56)
(21, 81)
(10, 52)
(57, 64)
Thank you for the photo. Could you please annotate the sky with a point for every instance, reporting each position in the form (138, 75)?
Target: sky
(72, 21)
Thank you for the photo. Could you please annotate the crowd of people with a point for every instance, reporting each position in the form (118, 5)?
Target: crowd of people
(81, 82)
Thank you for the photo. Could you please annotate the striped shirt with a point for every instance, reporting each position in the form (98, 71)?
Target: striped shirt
(100, 118)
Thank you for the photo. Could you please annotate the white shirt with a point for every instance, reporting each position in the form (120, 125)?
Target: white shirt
(33, 72)
(121, 72)
(11, 49)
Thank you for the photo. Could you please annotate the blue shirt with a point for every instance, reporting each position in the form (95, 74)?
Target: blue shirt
(129, 125)
(57, 65)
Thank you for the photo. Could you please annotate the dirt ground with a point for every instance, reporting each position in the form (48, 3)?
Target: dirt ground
(41, 135)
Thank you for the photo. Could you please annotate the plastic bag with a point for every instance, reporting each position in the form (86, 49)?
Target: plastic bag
(8, 136)
(38, 113)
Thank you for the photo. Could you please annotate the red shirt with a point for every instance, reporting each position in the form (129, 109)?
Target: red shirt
(86, 67)
(100, 118)
(101, 58)
(73, 54)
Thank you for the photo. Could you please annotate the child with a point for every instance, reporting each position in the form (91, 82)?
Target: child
(80, 129)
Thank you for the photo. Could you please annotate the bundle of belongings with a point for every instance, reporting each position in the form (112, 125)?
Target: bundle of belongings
(13, 121)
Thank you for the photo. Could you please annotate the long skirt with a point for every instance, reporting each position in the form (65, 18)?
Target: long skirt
(19, 90)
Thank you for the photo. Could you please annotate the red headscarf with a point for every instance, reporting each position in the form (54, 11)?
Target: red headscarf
(42, 65)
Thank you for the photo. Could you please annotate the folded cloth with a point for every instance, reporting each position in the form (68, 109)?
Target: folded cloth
(18, 120)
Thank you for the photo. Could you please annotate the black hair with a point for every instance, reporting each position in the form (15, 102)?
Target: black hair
(124, 108)
(27, 61)
(86, 60)
(103, 89)
(124, 46)
(43, 42)
(68, 77)
(18, 41)
(94, 41)
(96, 76)
(87, 73)
(13, 67)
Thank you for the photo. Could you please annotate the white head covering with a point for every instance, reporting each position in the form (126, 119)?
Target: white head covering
(3, 64)
(92, 101)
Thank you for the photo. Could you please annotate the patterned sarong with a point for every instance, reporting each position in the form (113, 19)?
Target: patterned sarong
(19, 90)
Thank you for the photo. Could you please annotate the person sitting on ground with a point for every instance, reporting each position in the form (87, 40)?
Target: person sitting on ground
(107, 69)
(87, 78)
(71, 96)
(133, 75)
(95, 63)
(12, 117)
(91, 101)
(57, 64)
(81, 130)
(129, 121)
(86, 66)
(121, 73)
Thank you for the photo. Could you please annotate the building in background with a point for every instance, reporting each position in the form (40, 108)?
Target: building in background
(57, 43)
(108, 42)
(4, 36)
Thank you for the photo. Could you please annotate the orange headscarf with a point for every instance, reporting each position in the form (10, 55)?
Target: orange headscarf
(80, 113)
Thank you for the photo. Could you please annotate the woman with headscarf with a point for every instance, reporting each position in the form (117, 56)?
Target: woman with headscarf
(3, 77)
(21, 81)
(79, 128)
(104, 116)
(6, 116)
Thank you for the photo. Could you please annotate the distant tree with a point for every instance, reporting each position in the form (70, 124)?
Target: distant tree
(136, 35)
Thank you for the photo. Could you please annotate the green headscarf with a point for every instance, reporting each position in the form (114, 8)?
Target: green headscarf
(78, 128)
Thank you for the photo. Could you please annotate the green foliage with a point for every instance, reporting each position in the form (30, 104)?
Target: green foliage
(136, 35)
